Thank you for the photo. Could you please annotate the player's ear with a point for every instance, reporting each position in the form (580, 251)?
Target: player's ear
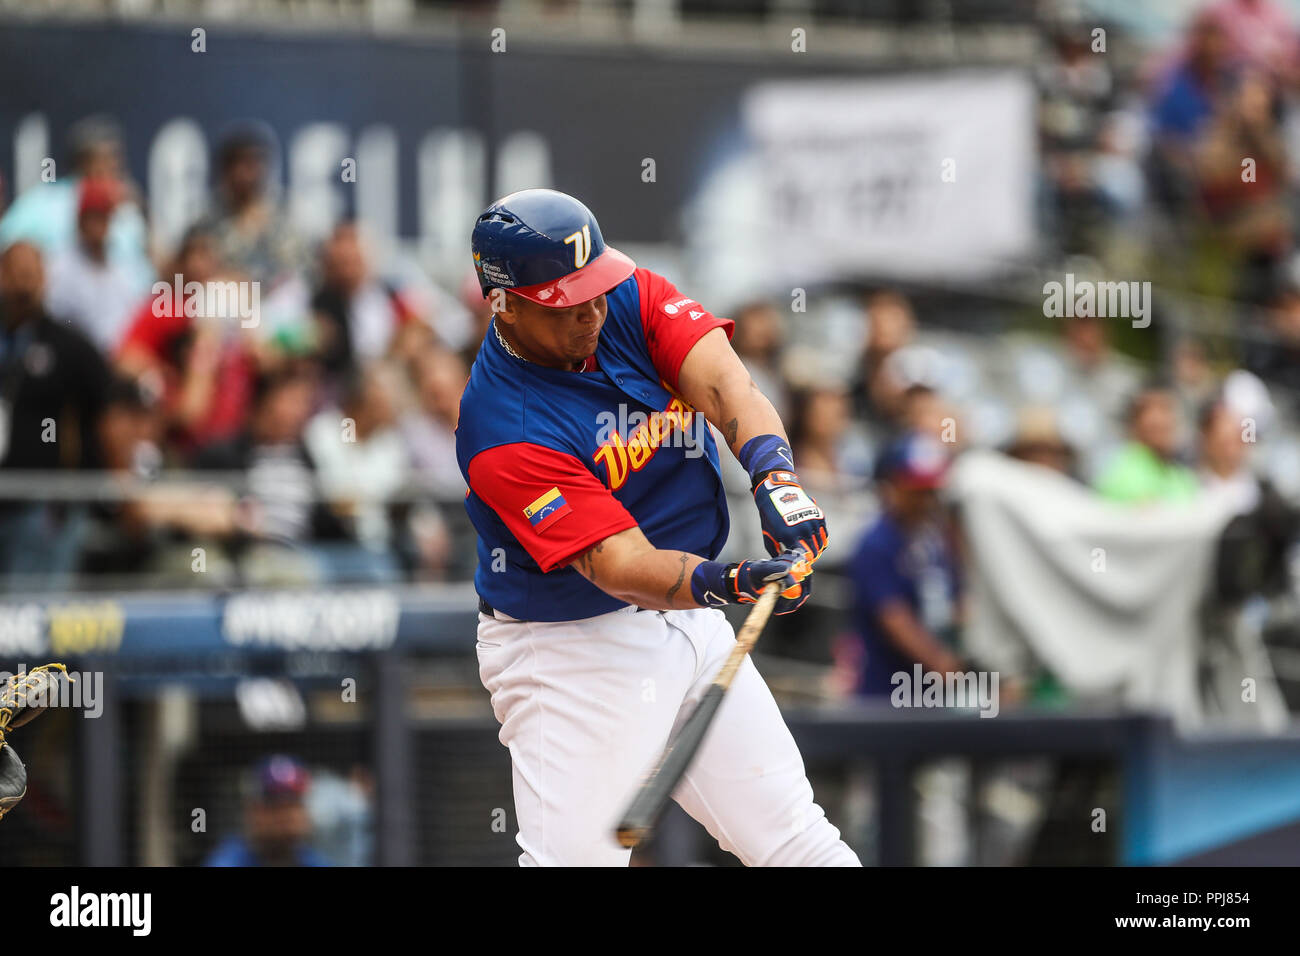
(505, 305)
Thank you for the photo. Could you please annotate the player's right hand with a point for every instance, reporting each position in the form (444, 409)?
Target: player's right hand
(714, 584)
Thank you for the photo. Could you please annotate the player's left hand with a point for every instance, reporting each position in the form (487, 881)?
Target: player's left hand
(791, 518)
(714, 584)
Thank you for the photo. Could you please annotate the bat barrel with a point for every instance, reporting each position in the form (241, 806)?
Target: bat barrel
(649, 803)
(652, 797)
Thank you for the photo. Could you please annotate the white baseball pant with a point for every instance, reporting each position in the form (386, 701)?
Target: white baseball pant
(586, 708)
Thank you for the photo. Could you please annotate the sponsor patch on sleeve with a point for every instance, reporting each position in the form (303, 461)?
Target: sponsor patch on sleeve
(547, 510)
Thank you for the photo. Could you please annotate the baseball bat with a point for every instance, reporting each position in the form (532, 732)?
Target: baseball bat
(651, 798)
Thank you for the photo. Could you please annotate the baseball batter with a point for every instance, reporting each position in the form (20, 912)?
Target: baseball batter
(600, 513)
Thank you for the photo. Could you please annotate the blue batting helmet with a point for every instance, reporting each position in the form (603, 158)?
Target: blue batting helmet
(547, 247)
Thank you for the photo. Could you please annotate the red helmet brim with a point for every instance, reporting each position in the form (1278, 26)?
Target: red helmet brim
(595, 278)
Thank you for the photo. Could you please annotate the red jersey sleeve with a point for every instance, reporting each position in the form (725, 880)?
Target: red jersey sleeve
(673, 323)
(554, 506)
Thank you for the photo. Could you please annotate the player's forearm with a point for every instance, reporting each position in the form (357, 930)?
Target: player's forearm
(715, 381)
(649, 577)
(744, 412)
(736, 407)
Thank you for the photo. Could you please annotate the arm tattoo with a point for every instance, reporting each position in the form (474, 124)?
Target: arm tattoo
(730, 429)
(585, 562)
(677, 586)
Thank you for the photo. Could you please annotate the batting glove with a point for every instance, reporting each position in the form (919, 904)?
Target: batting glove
(714, 584)
(790, 517)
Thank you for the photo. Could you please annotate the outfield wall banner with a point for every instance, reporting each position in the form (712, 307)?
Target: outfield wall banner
(918, 176)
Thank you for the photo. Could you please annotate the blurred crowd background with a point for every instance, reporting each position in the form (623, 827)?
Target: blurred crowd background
(145, 449)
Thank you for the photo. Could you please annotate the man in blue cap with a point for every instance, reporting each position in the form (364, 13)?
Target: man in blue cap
(276, 823)
(904, 572)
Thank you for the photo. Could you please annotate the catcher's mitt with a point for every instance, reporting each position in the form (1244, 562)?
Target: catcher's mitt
(22, 697)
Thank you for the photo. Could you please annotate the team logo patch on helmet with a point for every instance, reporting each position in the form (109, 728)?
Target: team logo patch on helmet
(495, 274)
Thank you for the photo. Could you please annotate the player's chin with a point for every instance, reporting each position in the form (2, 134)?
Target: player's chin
(585, 345)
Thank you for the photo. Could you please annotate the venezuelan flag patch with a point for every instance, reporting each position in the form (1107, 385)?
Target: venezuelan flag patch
(547, 510)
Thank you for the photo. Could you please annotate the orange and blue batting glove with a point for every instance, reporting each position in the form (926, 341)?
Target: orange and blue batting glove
(791, 518)
(714, 584)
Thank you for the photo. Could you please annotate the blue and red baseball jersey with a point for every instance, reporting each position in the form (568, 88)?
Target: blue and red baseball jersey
(556, 460)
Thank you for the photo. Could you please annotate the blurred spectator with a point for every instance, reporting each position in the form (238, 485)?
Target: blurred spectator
(1254, 551)
(1193, 379)
(1117, 169)
(1075, 88)
(46, 213)
(53, 382)
(277, 826)
(1038, 441)
(1224, 468)
(149, 531)
(342, 816)
(876, 392)
(360, 318)
(429, 429)
(904, 572)
(203, 366)
(1146, 470)
(1186, 99)
(924, 411)
(1246, 209)
(818, 422)
(480, 312)
(906, 587)
(1257, 33)
(282, 513)
(251, 231)
(1108, 379)
(85, 287)
(757, 340)
(362, 463)
(130, 429)
(52, 388)
(1275, 357)
(1084, 381)
(825, 453)
(119, 538)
